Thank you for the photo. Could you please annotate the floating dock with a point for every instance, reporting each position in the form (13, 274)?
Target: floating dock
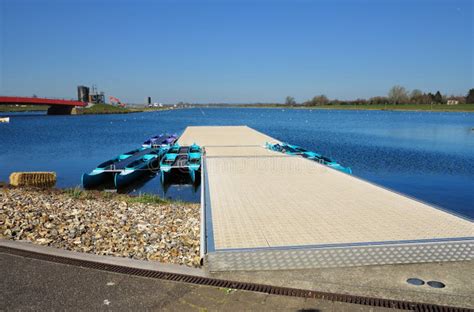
(264, 210)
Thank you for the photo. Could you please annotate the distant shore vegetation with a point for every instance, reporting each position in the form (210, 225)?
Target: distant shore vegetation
(397, 95)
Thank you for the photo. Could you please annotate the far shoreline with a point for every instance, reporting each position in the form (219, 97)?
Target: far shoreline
(104, 109)
(461, 108)
(97, 109)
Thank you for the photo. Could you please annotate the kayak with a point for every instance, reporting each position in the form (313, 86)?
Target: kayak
(297, 150)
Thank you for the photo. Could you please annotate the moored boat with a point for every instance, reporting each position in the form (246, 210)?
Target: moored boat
(297, 150)
(194, 161)
(160, 140)
(105, 171)
(139, 167)
(4, 119)
(181, 163)
(148, 143)
(169, 161)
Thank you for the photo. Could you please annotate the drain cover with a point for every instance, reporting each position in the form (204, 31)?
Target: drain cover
(415, 281)
(436, 284)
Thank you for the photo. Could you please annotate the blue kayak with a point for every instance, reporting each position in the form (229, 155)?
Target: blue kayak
(297, 150)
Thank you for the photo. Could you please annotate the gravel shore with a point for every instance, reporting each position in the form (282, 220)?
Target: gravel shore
(102, 223)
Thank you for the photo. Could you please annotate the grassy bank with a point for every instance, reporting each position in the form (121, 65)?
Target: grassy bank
(388, 107)
(110, 109)
(14, 108)
(96, 109)
(104, 109)
(78, 193)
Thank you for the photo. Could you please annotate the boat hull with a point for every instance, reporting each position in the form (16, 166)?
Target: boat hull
(90, 181)
(125, 178)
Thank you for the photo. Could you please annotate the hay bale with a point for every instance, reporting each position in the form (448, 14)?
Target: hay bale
(42, 179)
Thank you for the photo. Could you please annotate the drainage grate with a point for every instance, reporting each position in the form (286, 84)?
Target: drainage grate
(274, 290)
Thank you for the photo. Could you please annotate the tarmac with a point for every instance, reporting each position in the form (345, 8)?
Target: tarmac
(382, 281)
(36, 285)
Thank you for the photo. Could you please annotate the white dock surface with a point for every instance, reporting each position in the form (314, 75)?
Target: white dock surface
(267, 210)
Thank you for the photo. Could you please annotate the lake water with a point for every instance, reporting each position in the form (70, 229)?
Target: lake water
(429, 156)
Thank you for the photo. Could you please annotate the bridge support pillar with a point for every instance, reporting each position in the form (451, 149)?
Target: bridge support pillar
(61, 110)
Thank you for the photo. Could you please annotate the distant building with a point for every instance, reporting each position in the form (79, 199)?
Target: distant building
(455, 100)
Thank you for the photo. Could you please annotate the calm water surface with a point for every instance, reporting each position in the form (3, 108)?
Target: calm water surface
(426, 155)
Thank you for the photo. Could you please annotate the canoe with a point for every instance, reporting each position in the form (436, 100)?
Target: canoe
(139, 168)
(105, 172)
(297, 150)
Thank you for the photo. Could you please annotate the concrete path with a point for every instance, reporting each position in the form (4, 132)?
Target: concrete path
(28, 284)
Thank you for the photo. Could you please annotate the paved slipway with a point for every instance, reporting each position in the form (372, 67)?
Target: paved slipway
(30, 284)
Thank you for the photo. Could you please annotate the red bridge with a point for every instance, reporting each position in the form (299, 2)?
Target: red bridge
(56, 107)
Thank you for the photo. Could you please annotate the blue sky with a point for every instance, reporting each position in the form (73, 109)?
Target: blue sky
(235, 51)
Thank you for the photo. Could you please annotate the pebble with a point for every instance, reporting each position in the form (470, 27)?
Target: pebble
(167, 233)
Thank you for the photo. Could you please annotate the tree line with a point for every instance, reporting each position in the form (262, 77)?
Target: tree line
(397, 95)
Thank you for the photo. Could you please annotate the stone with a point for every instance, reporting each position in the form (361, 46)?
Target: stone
(109, 225)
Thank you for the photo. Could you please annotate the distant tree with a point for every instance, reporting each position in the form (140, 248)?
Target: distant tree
(378, 100)
(398, 95)
(319, 100)
(431, 98)
(470, 97)
(427, 98)
(290, 101)
(360, 101)
(416, 96)
(438, 98)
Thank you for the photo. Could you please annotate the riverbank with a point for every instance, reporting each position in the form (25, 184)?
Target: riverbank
(144, 227)
(104, 109)
(18, 109)
(389, 107)
(96, 109)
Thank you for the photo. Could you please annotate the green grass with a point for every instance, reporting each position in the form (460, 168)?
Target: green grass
(14, 108)
(105, 109)
(75, 193)
(146, 199)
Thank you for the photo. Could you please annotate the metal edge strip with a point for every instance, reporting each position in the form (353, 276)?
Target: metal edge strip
(362, 244)
(210, 244)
